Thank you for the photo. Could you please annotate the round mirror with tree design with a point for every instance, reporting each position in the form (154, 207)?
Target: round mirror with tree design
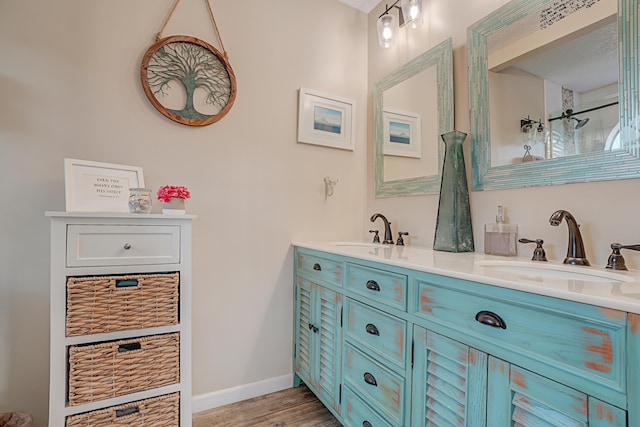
(188, 80)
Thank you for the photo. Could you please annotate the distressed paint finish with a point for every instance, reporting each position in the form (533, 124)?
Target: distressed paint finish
(452, 378)
(392, 287)
(317, 359)
(389, 342)
(585, 350)
(603, 352)
(388, 392)
(633, 369)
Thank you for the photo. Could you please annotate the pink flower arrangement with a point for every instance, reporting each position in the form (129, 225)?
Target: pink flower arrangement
(168, 192)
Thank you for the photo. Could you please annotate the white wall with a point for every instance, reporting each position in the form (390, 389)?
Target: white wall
(607, 211)
(69, 87)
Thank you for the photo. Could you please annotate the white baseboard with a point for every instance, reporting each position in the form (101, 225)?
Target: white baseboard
(203, 402)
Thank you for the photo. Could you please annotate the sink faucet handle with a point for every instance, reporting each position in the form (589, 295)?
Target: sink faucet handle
(400, 239)
(616, 260)
(376, 238)
(538, 253)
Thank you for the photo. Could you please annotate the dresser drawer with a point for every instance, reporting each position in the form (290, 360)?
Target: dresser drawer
(383, 286)
(383, 334)
(115, 245)
(102, 304)
(359, 414)
(115, 368)
(319, 269)
(577, 344)
(162, 411)
(375, 383)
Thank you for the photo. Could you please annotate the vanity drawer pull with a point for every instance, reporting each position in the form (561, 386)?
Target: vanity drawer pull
(372, 329)
(317, 267)
(373, 285)
(370, 379)
(490, 319)
(366, 424)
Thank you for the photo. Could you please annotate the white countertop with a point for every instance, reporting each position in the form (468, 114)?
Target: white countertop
(618, 290)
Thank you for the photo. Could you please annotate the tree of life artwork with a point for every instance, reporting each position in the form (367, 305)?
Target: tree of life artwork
(188, 80)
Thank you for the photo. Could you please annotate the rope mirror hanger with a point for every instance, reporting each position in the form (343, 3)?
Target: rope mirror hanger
(188, 80)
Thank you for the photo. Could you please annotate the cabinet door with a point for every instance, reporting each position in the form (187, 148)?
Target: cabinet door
(449, 383)
(318, 338)
(304, 333)
(521, 398)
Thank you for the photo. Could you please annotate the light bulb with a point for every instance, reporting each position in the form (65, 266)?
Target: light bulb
(386, 27)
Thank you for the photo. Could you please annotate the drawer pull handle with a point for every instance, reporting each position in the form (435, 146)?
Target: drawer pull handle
(126, 283)
(123, 348)
(373, 285)
(370, 379)
(127, 246)
(317, 267)
(366, 424)
(127, 411)
(372, 329)
(490, 319)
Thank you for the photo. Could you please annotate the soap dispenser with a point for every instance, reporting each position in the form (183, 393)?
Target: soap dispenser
(500, 238)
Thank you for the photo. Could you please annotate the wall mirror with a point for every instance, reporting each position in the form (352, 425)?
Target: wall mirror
(412, 107)
(548, 102)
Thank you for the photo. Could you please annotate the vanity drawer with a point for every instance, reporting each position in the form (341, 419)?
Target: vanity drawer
(381, 333)
(383, 286)
(115, 245)
(373, 382)
(320, 269)
(358, 414)
(578, 344)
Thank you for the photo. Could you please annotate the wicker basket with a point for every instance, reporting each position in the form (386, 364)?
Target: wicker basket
(118, 303)
(160, 411)
(116, 368)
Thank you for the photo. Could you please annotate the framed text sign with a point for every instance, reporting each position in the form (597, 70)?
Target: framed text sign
(99, 187)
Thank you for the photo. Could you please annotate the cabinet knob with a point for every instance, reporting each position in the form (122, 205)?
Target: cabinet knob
(490, 319)
(127, 246)
(366, 424)
(317, 267)
(370, 379)
(372, 329)
(373, 285)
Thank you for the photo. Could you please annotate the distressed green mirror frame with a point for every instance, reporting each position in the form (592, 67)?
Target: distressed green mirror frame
(602, 166)
(439, 56)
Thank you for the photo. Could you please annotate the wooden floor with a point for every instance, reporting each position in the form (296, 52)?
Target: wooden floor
(294, 407)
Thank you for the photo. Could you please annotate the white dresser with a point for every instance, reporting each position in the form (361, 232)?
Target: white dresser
(120, 346)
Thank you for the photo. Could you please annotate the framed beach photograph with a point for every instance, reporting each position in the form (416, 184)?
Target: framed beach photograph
(99, 187)
(402, 134)
(325, 120)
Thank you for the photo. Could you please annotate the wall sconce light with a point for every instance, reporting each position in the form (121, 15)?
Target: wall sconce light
(410, 13)
(526, 125)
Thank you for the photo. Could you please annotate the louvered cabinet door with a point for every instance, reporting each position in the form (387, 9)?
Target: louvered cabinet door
(327, 353)
(520, 398)
(449, 383)
(318, 339)
(303, 331)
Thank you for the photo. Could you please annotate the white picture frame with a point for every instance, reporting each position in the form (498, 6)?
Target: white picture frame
(402, 134)
(99, 187)
(326, 120)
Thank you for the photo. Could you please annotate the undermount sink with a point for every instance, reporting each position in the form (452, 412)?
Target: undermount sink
(554, 271)
(361, 244)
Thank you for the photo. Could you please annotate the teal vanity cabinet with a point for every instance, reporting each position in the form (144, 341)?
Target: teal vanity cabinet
(318, 326)
(418, 347)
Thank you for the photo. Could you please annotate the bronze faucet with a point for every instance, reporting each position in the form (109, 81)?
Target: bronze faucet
(575, 249)
(388, 238)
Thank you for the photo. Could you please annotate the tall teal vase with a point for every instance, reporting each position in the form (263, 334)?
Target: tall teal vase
(453, 226)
